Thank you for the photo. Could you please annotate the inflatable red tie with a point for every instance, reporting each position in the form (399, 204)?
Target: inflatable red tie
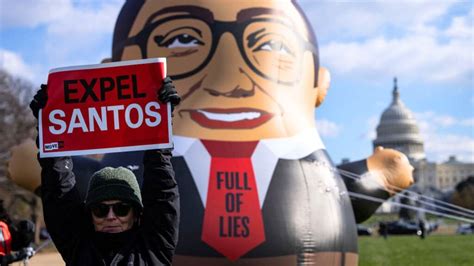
(233, 223)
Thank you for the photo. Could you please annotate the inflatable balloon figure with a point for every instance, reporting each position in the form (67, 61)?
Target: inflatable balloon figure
(256, 183)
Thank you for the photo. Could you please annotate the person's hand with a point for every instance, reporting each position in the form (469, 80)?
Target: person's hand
(26, 253)
(393, 169)
(168, 93)
(39, 100)
(29, 252)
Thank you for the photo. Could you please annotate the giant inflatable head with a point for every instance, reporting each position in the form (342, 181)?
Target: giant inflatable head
(245, 136)
(247, 70)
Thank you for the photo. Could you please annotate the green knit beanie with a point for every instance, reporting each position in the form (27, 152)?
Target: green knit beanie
(114, 184)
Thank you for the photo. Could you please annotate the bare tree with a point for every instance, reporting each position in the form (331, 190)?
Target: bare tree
(16, 124)
(464, 193)
(16, 121)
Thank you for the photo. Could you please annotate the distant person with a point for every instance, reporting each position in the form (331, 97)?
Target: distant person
(421, 224)
(118, 224)
(383, 230)
(14, 238)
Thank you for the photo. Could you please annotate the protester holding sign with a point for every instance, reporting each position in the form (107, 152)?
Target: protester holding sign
(117, 224)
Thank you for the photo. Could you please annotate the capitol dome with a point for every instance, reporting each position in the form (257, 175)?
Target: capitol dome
(398, 129)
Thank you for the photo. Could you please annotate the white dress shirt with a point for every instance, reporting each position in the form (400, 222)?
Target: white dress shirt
(264, 159)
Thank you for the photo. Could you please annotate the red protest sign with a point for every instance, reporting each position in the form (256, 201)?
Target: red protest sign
(105, 108)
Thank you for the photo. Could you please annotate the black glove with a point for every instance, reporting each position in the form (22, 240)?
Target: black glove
(168, 93)
(39, 100)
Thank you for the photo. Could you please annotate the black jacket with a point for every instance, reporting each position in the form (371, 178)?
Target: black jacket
(152, 242)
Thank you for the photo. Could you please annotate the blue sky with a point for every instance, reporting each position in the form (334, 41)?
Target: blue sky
(428, 45)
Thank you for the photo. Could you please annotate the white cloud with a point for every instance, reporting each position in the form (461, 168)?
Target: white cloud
(434, 120)
(461, 27)
(65, 17)
(86, 20)
(327, 128)
(14, 64)
(359, 19)
(467, 122)
(440, 145)
(28, 13)
(69, 32)
(81, 31)
(372, 124)
(414, 58)
(386, 38)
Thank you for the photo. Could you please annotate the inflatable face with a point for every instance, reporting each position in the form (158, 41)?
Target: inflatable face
(247, 70)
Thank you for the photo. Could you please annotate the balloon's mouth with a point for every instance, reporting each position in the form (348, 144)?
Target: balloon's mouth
(233, 118)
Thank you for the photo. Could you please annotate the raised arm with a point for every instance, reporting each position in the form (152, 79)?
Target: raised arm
(62, 205)
(357, 178)
(160, 192)
(161, 204)
(382, 175)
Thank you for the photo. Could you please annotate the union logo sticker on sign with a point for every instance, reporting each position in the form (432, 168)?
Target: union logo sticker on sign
(105, 108)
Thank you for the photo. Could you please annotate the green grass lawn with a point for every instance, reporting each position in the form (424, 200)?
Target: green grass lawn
(443, 250)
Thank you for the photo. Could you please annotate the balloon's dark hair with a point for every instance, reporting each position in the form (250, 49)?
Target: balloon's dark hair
(131, 8)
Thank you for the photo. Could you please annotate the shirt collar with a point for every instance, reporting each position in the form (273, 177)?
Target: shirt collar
(295, 147)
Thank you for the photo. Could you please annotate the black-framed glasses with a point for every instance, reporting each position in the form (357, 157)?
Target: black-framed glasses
(101, 210)
(270, 47)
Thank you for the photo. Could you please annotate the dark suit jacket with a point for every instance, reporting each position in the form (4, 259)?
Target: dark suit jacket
(301, 212)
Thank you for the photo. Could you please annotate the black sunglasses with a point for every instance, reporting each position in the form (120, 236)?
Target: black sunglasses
(101, 210)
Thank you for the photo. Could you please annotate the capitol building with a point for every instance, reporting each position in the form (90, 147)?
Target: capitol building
(399, 130)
